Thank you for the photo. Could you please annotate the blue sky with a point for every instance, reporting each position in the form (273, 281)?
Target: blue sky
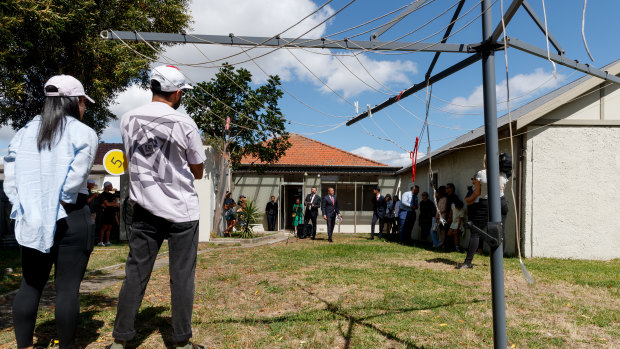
(530, 76)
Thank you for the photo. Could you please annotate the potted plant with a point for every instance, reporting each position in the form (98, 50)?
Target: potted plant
(247, 218)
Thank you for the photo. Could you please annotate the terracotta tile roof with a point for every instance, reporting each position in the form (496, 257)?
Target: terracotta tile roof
(308, 152)
(103, 149)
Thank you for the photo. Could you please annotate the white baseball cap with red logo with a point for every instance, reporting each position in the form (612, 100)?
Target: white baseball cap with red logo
(170, 78)
(67, 86)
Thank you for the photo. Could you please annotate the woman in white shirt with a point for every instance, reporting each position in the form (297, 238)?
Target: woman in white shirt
(45, 179)
(479, 211)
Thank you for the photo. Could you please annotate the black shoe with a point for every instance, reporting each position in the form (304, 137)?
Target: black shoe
(330, 240)
(464, 265)
(312, 238)
(371, 238)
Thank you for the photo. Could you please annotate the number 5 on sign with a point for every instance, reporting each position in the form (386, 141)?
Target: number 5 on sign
(115, 162)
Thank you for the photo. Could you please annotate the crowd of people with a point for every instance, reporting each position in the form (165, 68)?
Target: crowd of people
(442, 217)
(104, 209)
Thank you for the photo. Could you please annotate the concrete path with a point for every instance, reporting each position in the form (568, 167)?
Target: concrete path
(96, 280)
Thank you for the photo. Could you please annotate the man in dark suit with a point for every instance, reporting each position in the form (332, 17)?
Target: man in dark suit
(312, 202)
(329, 208)
(379, 205)
(272, 210)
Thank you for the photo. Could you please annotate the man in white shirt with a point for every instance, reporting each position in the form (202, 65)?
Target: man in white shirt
(408, 206)
(165, 154)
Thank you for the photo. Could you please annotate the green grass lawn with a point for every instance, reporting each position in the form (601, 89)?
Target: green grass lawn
(100, 257)
(357, 293)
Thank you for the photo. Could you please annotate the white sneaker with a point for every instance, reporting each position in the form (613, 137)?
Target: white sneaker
(108, 243)
(101, 244)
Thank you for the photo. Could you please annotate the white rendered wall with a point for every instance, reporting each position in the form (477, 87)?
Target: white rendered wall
(206, 196)
(571, 201)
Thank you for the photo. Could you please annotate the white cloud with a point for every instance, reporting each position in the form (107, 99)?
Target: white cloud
(268, 18)
(521, 85)
(131, 98)
(389, 157)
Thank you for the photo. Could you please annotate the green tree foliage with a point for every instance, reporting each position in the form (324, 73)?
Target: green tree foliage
(257, 127)
(42, 38)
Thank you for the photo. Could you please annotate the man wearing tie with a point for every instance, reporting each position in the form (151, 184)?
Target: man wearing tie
(379, 206)
(406, 214)
(312, 203)
(329, 207)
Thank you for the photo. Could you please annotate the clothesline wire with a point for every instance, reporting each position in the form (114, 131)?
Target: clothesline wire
(274, 132)
(285, 30)
(264, 106)
(230, 107)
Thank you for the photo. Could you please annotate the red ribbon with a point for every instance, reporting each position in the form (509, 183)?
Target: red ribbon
(227, 123)
(414, 159)
(399, 95)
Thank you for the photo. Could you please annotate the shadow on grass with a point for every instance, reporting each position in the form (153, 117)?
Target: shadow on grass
(10, 269)
(147, 322)
(352, 321)
(363, 321)
(87, 329)
(442, 260)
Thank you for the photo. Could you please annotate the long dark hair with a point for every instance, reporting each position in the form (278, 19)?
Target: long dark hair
(53, 117)
(442, 191)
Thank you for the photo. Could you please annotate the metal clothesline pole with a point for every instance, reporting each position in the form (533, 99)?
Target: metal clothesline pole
(492, 152)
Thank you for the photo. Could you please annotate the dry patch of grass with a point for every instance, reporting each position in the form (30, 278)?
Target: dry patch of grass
(366, 294)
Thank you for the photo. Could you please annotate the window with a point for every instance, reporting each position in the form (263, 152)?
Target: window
(347, 196)
(365, 197)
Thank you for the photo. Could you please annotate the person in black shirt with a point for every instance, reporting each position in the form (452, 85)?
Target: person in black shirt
(272, 210)
(109, 204)
(427, 213)
(92, 196)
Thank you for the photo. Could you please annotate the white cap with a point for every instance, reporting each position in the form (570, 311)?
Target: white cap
(170, 78)
(67, 86)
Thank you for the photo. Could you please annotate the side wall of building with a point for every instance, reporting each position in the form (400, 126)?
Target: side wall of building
(259, 189)
(571, 202)
(206, 188)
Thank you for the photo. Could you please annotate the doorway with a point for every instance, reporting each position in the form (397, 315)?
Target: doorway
(290, 192)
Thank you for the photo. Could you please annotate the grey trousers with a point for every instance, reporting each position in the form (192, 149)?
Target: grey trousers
(147, 234)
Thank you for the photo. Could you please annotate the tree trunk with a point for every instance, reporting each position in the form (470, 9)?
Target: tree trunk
(221, 193)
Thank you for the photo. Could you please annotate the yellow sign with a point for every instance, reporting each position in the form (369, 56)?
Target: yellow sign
(115, 162)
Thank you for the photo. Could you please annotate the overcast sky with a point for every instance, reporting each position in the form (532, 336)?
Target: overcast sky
(331, 83)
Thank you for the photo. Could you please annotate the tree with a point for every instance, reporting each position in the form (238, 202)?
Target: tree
(42, 38)
(256, 125)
